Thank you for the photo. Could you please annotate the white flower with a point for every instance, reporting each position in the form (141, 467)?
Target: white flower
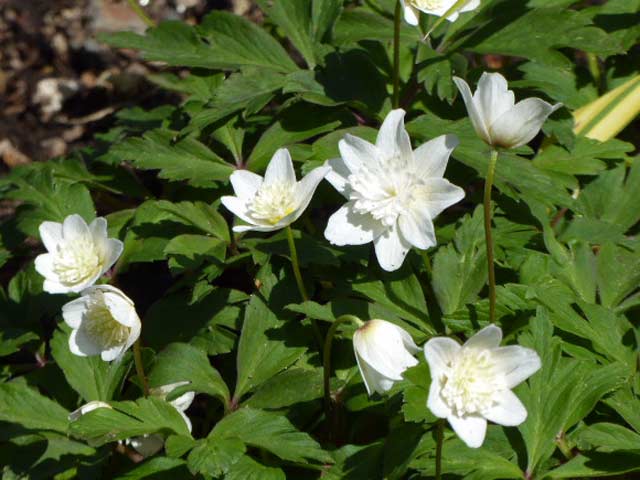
(472, 383)
(86, 408)
(495, 116)
(274, 202)
(104, 321)
(394, 192)
(78, 254)
(412, 9)
(383, 352)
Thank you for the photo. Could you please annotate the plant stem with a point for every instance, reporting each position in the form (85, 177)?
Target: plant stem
(137, 357)
(135, 6)
(426, 261)
(488, 184)
(396, 55)
(439, 442)
(328, 341)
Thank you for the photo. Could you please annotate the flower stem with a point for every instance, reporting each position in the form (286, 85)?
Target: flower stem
(137, 357)
(488, 184)
(135, 6)
(439, 442)
(396, 55)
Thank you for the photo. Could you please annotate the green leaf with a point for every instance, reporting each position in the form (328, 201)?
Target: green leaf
(215, 456)
(324, 14)
(180, 362)
(200, 215)
(188, 252)
(91, 377)
(618, 274)
(11, 339)
(610, 436)
(294, 385)
(249, 469)
(597, 465)
(415, 394)
(157, 468)
(23, 405)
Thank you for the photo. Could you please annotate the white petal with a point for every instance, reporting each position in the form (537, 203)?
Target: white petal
(518, 125)
(112, 353)
(86, 408)
(73, 311)
(471, 429)
(44, 266)
(114, 248)
(356, 151)
(487, 338)
(245, 184)
(472, 5)
(186, 419)
(494, 97)
(81, 344)
(338, 176)
(407, 339)
(417, 228)
(411, 15)
(98, 229)
(474, 110)
(280, 169)
(52, 286)
(238, 207)
(391, 249)
(74, 226)
(435, 402)
(184, 401)
(516, 363)
(306, 188)
(50, 234)
(347, 227)
(439, 353)
(374, 381)
(393, 140)
(121, 308)
(439, 195)
(257, 228)
(509, 410)
(431, 158)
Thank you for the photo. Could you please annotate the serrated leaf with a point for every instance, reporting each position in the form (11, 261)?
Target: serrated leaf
(23, 405)
(215, 456)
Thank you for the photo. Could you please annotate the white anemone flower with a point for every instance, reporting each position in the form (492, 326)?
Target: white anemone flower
(274, 202)
(412, 9)
(383, 352)
(393, 192)
(472, 383)
(495, 116)
(104, 322)
(77, 254)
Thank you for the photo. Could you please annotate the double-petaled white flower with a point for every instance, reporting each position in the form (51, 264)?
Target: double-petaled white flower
(412, 9)
(495, 116)
(472, 383)
(393, 192)
(104, 322)
(383, 352)
(274, 202)
(78, 254)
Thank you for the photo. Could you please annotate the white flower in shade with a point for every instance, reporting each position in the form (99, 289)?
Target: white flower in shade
(86, 408)
(412, 9)
(383, 352)
(495, 116)
(77, 254)
(274, 202)
(472, 383)
(393, 192)
(104, 321)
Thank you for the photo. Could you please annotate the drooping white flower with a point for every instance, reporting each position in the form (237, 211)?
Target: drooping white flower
(412, 9)
(495, 116)
(77, 254)
(383, 352)
(104, 321)
(393, 192)
(274, 202)
(86, 408)
(472, 383)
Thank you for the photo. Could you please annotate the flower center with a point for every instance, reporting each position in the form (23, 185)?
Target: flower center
(471, 384)
(76, 261)
(100, 325)
(384, 192)
(427, 4)
(273, 202)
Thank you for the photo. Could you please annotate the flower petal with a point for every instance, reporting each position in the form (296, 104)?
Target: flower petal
(411, 14)
(245, 184)
(356, 151)
(516, 363)
(238, 207)
(81, 344)
(471, 429)
(508, 411)
(474, 110)
(74, 226)
(487, 338)
(431, 158)
(338, 176)
(416, 227)
(306, 188)
(374, 381)
(98, 228)
(494, 97)
(73, 311)
(393, 140)
(280, 169)
(439, 353)
(391, 249)
(438, 194)
(50, 234)
(348, 227)
(44, 266)
(53, 286)
(518, 125)
(114, 248)
(435, 402)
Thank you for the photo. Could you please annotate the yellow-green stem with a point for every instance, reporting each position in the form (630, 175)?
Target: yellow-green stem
(137, 358)
(396, 54)
(426, 261)
(135, 6)
(488, 185)
(439, 443)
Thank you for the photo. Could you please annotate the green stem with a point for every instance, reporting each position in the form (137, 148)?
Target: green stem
(137, 357)
(396, 54)
(328, 341)
(135, 6)
(426, 261)
(488, 184)
(430, 297)
(439, 443)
